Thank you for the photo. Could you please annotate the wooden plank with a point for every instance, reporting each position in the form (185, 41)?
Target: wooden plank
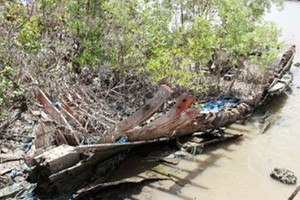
(44, 136)
(66, 168)
(182, 103)
(167, 129)
(71, 136)
(58, 158)
(9, 157)
(56, 115)
(110, 146)
(211, 120)
(146, 111)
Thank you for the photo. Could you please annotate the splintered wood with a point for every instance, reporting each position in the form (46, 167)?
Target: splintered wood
(147, 110)
(168, 123)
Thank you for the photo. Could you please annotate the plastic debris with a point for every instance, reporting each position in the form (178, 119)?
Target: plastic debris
(117, 106)
(27, 193)
(122, 139)
(30, 122)
(25, 166)
(26, 147)
(55, 103)
(28, 139)
(217, 104)
(14, 172)
(90, 140)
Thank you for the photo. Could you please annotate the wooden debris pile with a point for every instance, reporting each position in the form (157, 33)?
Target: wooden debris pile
(62, 169)
(68, 151)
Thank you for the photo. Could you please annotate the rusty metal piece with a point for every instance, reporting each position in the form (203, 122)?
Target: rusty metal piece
(146, 111)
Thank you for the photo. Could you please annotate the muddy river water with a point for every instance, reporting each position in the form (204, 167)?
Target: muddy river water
(239, 170)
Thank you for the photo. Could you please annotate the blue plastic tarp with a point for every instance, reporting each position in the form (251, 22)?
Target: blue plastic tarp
(217, 104)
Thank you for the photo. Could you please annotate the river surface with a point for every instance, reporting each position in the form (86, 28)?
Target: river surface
(239, 170)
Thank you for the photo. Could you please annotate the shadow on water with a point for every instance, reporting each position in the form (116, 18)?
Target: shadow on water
(274, 104)
(179, 175)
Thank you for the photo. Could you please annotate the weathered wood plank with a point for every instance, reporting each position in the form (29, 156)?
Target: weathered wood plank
(56, 115)
(66, 168)
(146, 111)
(110, 146)
(211, 120)
(167, 129)
(182, 103)
(44, 136)
(58, 158)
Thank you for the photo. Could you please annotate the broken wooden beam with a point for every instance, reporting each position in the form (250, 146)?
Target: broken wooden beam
(167, 130)
(215, 119)
(168, 123)
(54, 113)
(182, 103)
(146, 111)
(66, 168)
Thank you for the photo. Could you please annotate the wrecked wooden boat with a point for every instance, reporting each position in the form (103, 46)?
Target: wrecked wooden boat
(65, 168)
(281, 84)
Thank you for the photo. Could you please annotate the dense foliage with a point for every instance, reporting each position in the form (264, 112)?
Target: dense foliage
(165, 41)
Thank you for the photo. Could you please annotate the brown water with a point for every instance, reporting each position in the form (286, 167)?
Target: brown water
(240, 170)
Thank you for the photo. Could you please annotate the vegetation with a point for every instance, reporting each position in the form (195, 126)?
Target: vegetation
(169, 41)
